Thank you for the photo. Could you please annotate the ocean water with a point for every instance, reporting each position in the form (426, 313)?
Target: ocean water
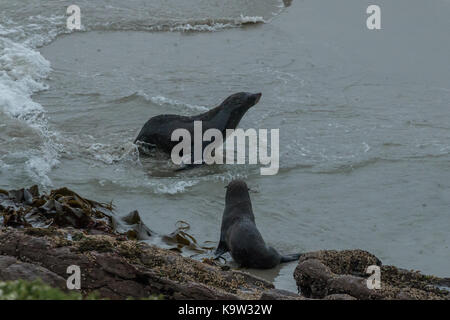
(364, 116)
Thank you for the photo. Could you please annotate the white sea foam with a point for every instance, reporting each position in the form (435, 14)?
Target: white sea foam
(109, 154)
(249, 19)
(175, 187)
(161, 100)
(156, 186)
(22, 70)
(212, 26)
(201, 27)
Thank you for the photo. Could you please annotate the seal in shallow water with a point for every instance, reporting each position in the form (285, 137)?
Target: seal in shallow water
(239, 234)
(158, 130)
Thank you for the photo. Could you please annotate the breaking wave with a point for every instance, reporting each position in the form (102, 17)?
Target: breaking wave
(160, 101)
(23, 70)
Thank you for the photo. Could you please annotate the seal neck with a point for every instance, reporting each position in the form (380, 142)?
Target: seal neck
(242, 206)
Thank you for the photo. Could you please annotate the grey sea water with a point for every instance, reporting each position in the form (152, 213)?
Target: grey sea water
(363, 115)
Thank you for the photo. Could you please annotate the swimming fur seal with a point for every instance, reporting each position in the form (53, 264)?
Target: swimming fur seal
(158, 130)
(239, 234)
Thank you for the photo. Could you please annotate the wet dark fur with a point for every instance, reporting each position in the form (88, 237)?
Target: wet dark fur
(240, 236)
(158, 130)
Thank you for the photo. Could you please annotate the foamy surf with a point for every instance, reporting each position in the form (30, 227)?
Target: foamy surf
(22, 71)
(217, 25)
(174, 187)
(155, 186)
(187, 26)
(160, 101)
(109, 154)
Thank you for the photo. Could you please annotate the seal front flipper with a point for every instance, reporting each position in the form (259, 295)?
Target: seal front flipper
(290, 257)
(144, 148)
(221, 249)
(191, 164)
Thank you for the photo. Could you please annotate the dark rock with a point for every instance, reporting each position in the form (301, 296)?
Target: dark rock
(126, 269)
(312, 278)
(345, 261)
(61, 229)
(339, 296)
(277, 294)
(353, 286)
(13, 269)
(331, 274)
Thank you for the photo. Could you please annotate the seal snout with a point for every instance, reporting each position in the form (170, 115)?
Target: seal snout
(255, 98)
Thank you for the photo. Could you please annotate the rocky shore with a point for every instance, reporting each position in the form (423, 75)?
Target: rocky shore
(42, 235)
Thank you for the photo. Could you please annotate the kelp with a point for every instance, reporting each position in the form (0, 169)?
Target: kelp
(132, 225)
(182, 239)
(62, 208)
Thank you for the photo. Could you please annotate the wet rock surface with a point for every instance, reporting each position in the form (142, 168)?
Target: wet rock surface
(41, 235)
(117, 268)
(13, 269)
(337, 275)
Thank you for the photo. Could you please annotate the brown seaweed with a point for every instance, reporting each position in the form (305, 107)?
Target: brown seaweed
(182, 239)
(62, 208)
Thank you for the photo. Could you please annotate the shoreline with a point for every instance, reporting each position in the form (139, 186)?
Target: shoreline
(44, 234)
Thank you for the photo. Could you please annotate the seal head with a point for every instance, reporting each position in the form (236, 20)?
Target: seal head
(230, 111)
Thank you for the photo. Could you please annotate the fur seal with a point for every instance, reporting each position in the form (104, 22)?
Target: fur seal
(157, 131)
(239, 234)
